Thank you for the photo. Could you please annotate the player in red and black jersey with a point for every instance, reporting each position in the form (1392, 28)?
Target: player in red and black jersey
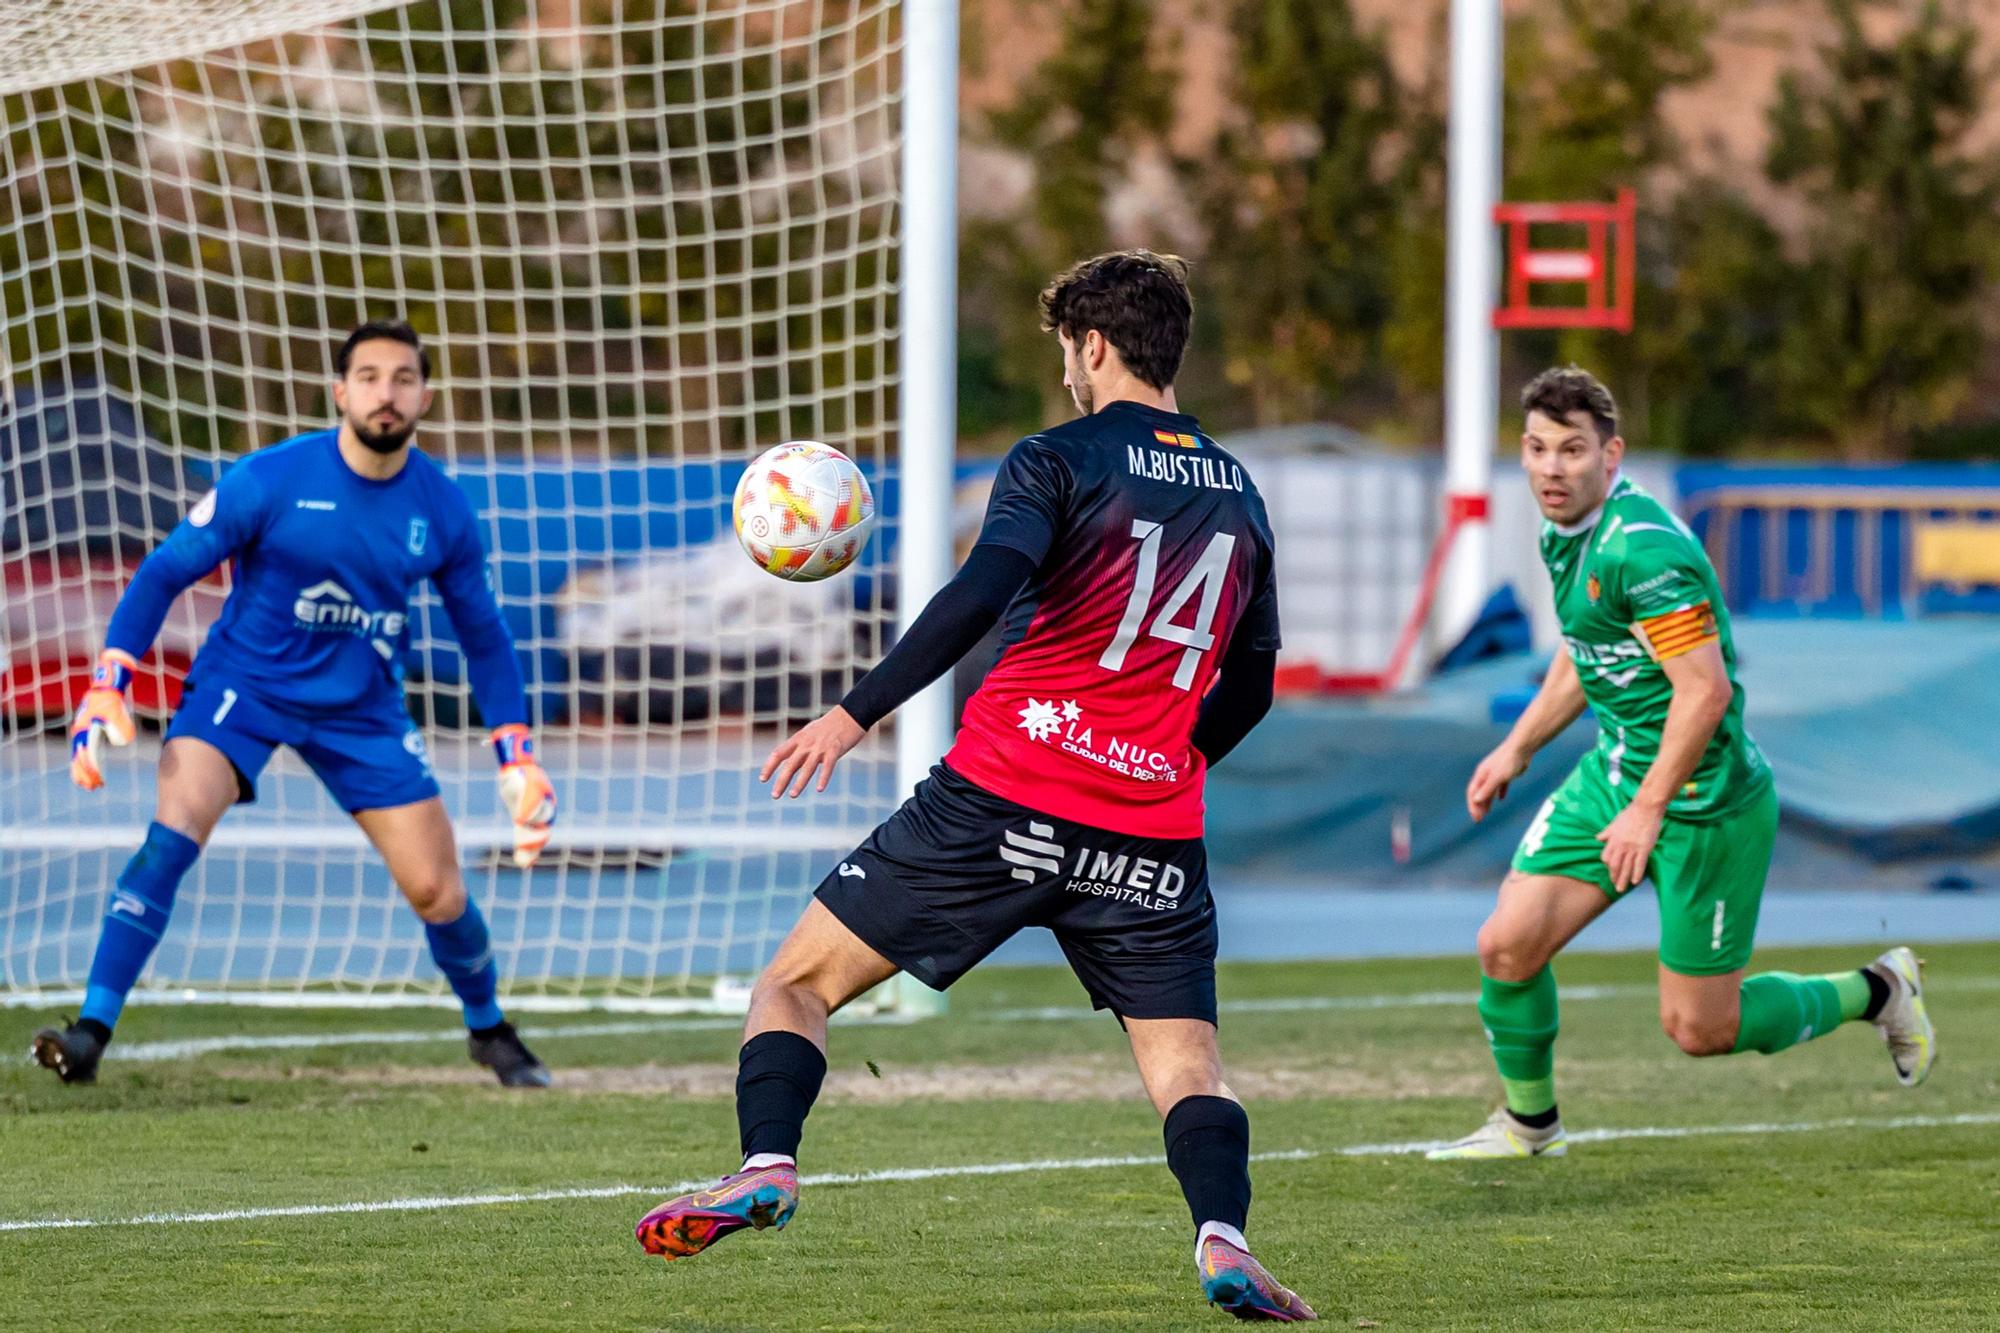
(1131, 559)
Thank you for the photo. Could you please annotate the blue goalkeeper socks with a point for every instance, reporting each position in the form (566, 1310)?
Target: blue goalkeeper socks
(135, 920)
(463, 951)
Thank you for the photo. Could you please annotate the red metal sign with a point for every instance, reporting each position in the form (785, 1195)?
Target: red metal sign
(1605, 266)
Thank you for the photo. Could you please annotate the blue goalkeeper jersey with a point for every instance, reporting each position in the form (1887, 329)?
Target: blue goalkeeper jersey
(323, 562)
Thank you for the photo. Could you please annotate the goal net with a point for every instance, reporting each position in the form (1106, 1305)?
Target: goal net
(644, 242)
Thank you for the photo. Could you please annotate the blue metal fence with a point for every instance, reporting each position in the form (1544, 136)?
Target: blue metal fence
(1848, 542)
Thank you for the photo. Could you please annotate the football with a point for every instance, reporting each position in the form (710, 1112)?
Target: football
(803, 511)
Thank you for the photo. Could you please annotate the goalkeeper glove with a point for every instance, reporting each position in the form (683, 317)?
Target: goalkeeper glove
(102, 717)
(525, 791)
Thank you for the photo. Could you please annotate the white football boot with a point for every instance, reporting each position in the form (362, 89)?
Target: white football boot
(1503, 1136)
(1904, 1023)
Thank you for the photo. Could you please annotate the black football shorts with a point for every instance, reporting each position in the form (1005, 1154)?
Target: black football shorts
(957, 871)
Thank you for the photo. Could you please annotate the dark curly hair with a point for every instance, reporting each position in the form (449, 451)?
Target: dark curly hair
(1136, 299)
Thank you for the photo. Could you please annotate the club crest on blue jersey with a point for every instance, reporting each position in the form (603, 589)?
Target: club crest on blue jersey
(420, 529)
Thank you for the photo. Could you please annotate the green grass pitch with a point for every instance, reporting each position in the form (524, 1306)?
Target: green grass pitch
(1843, 1225)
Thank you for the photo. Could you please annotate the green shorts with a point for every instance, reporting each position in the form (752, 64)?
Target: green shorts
(1709, 875)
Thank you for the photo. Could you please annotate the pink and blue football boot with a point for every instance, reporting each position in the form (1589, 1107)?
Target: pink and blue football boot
(689, 1224)
(1234, 1281)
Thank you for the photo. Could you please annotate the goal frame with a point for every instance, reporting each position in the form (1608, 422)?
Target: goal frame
(925, 349)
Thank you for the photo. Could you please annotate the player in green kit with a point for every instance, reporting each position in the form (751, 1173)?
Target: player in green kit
(1675, 791)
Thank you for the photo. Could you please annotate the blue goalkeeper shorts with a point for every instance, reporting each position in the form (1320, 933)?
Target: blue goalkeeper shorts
(369, 757)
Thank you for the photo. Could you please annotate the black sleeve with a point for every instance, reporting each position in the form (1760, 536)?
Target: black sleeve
(954, 622)
(1259, 626)
(1239, 700)
(1030, 493)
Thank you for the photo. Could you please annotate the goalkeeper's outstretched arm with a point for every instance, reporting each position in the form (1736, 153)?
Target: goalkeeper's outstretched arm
(950, 627)
(226, 520)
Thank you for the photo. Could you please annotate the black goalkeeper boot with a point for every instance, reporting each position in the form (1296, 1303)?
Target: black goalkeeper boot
(72, 1050)
(500, 1049)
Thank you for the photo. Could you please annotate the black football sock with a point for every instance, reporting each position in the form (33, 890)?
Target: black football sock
(1208, 1150)
(777, 1079)
(1878, 994)
(1537, 1119)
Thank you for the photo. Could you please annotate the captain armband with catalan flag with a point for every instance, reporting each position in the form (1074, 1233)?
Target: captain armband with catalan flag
(1679, 631)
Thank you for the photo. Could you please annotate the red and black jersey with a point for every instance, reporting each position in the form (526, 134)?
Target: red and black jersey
(1152, 549)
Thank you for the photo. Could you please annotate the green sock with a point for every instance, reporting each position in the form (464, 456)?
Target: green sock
(1854, 993)
(1520, 1019)
(1782, 1009)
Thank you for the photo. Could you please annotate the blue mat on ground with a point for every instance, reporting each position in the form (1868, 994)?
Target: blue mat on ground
(1880, 734)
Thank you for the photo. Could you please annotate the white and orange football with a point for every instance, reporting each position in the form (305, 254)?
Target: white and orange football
(803, 511)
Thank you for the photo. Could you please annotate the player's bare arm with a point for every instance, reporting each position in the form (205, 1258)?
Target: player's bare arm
(1702, 693)
(1556, 704)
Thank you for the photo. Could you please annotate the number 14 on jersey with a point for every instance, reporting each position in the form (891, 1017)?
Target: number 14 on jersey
(1206, 578)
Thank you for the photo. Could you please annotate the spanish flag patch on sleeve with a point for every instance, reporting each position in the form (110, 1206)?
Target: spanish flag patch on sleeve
(1677, 632)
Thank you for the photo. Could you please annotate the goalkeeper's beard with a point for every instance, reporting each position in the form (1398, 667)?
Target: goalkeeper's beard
(387, 441)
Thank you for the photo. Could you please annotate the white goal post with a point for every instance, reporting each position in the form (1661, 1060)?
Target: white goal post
(643, 242)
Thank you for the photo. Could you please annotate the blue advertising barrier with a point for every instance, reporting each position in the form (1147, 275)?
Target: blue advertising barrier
(1848, 542)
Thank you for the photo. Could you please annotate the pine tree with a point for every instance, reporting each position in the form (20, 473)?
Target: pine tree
(1586, 92)
(1901, 240)
(1304, 210)
(1105, 92)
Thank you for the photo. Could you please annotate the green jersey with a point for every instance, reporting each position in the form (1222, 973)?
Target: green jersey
(1633, 590)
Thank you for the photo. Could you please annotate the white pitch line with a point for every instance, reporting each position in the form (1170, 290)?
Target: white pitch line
(327, 1209)
(913, 1173)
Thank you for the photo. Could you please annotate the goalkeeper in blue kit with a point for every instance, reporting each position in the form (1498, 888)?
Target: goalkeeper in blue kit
(327, 534)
